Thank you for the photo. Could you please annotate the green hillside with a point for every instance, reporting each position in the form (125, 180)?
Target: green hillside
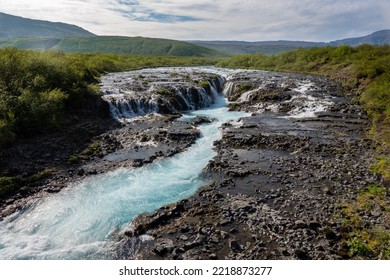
(276, 47)
(266, 47)
(29, 43)
(113, 45)
(15, 26)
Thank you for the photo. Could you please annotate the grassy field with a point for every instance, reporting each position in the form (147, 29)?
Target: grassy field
(113, 45)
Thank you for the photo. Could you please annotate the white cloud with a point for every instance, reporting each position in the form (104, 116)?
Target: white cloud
(253, 20)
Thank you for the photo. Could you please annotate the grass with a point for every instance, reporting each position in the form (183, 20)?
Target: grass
(41, 175)
(73, 159)
(139, 46)
(363, 239)
(8, 185)
(91, 149)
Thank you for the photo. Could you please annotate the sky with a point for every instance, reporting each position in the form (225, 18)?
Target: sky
(248, 20)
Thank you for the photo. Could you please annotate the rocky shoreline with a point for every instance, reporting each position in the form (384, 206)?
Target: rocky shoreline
(276, 186)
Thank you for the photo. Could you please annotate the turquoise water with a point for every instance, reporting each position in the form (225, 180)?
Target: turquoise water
(80, 221)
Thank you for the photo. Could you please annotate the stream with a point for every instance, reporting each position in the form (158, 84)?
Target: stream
(81, 220)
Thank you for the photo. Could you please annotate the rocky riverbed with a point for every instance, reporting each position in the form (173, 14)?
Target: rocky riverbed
(278, 182)
(276, 186)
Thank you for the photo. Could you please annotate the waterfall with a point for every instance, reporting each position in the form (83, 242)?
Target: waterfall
(128, 98)
(228, 89)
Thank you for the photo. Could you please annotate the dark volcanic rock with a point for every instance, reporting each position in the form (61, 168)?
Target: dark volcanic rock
(200, 120)
(278, 176)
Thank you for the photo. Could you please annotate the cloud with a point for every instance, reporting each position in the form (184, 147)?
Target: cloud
(135, 11)
(252, 20)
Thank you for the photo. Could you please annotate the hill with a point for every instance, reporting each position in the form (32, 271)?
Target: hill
(14, 26)
(377, 38)
(265, 47)
(113, 45)
(275, 47)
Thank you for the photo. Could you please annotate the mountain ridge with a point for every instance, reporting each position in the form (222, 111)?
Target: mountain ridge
(274, 47)
(15, 26)
(113, 45)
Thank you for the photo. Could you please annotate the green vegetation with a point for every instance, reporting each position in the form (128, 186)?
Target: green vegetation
(203, 84)
(8, 185)
(73, 159)
(364, 240)
(15, 26)
(91, 149)
(40, 91)
(266, 47)
(41, 175)
(112, 45)
(11, 184)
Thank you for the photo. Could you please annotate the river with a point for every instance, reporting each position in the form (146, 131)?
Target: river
(80, 222)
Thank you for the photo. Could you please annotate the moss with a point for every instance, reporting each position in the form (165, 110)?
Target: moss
(73, 159)
(8, 185)
(187, 78)
(364, 239)
(169, 92)
(41, 175)
(91, 149)
(203, 84)
(240, 88)
(364, 71)
(382, 166)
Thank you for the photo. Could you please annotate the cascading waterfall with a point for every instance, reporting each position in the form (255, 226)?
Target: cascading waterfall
(128, 108)
(229, 88)
(80, 221)
(129, 98)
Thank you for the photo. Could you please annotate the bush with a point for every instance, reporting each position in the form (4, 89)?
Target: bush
(40, 91)
(357, 247)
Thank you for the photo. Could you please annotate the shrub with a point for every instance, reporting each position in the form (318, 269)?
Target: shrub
(41, 175)
(357, 247)
(40, 91)
(73, 159)
(8, 184)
